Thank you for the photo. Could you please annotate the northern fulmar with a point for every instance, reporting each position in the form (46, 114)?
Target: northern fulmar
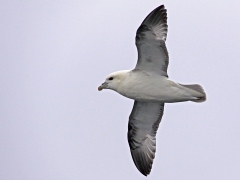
(149, 86)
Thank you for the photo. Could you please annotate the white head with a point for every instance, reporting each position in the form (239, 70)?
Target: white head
(113, 80)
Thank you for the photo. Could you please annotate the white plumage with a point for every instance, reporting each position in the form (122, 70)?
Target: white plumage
(148, 84)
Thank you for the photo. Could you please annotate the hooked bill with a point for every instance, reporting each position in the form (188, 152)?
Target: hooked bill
(100, 88)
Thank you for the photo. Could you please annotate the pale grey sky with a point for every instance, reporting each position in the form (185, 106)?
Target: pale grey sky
(54, 124)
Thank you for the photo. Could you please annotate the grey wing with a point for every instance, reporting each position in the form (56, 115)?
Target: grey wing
(142, 128)
(150, 42)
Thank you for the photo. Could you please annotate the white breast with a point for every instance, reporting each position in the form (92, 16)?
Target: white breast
(142, 87)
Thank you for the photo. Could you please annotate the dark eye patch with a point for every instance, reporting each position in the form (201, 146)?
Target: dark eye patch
(111, 78)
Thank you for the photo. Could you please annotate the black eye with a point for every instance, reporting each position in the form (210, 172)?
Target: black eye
(111, 78)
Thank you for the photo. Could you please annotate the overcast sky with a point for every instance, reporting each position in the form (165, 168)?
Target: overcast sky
(54, 124)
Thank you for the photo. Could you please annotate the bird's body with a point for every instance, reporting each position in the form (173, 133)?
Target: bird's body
(142, 86)
(148, 84)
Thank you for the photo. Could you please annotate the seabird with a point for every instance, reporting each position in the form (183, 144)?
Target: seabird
(150, 88)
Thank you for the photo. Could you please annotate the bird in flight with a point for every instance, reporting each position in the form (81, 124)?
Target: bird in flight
(150, 88)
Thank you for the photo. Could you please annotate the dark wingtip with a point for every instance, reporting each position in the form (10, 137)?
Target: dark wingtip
(159, 8)
(157, 17)
(141, 163)
(162, 6)
(144, 172)
(156, 10)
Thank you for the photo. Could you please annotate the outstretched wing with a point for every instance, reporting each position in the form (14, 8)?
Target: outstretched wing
(150, 42)
(142, 128)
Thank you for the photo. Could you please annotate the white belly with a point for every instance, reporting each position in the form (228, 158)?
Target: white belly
(148, 88)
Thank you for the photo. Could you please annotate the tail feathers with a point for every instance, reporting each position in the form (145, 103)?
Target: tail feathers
(199, 89)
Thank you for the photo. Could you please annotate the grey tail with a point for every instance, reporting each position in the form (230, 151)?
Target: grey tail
(199, 89)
